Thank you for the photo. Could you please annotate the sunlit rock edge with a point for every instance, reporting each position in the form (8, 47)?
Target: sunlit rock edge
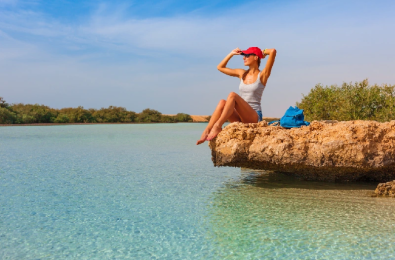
(325, 150)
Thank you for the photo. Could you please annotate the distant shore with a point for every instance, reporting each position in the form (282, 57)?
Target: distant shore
(204, 118)
(196, 119)
(128, 123)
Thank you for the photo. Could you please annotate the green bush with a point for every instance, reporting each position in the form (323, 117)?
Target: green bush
(27, 114)
(149, 115)
(26, 119)
(168, 119)
(78, 115)
(61, 118)
(357, 101)
(181, 117)
(6, 116)
(114, 114)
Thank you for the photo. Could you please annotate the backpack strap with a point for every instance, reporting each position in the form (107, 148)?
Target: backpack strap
(274, 123)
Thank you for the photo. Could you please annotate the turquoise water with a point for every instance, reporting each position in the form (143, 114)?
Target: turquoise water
(148, 192)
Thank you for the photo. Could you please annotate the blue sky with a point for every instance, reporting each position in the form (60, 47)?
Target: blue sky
(163, 54)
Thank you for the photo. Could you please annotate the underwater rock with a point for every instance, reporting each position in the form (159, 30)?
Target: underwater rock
(386, 189)
(325, 150)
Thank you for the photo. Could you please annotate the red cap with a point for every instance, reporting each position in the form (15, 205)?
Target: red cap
(253, 50)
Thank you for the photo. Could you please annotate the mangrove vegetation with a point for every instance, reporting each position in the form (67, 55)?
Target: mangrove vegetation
(35, 113)
(350, 101)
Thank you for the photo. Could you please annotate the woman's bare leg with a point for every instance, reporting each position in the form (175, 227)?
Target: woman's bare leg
(214, 118)
(234, 117)
(234, 102)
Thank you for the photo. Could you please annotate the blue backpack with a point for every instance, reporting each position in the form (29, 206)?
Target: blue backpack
(293, 118)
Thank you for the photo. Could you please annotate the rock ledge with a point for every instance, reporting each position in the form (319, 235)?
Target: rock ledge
(325, 150)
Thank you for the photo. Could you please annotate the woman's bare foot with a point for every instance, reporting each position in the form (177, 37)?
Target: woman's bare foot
(214, 132)
(203, 137)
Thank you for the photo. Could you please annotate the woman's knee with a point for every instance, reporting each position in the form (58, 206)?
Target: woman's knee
(221, 103)
(232, 95)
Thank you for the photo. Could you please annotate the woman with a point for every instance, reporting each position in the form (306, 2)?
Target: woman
(245, 107)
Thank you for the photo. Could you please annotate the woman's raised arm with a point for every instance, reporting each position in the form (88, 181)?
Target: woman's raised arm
(269, 64)
(231, 72)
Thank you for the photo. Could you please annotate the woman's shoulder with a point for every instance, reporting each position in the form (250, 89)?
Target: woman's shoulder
(241, 72)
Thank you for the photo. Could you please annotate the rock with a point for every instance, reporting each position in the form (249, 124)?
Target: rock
(385, 189)
(325, 150)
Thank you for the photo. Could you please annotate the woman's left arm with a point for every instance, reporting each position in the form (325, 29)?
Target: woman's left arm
(269, 64)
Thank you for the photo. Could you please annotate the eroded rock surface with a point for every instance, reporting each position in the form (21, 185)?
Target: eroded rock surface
(325, 150)
(386, 189)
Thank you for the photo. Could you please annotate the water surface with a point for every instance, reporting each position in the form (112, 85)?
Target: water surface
(148, 192)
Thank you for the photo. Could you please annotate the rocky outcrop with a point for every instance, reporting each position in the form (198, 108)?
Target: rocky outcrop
(325, 150)
(386, 189)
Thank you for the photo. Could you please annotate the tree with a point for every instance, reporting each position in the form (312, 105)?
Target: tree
(149, 115)
(78, 115)
(114, 114)
(168, 119)
(181, 117)
(3, 104)
(61, 118)
(358, 101)
(6, 116)
(36, 113)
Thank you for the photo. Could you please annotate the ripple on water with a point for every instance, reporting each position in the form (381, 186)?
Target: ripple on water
(277, 216)
(147, 192)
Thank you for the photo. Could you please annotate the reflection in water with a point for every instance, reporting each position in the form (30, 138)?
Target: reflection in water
(269, 215)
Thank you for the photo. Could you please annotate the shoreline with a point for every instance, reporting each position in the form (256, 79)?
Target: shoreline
(196, 119)
(118, 123)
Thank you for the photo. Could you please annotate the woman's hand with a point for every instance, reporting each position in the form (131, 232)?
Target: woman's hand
(264, 54)
(236, 51)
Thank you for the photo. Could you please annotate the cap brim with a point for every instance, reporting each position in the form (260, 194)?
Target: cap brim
(250, 52)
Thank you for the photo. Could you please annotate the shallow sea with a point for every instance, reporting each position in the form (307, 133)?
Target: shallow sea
(147, 191)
